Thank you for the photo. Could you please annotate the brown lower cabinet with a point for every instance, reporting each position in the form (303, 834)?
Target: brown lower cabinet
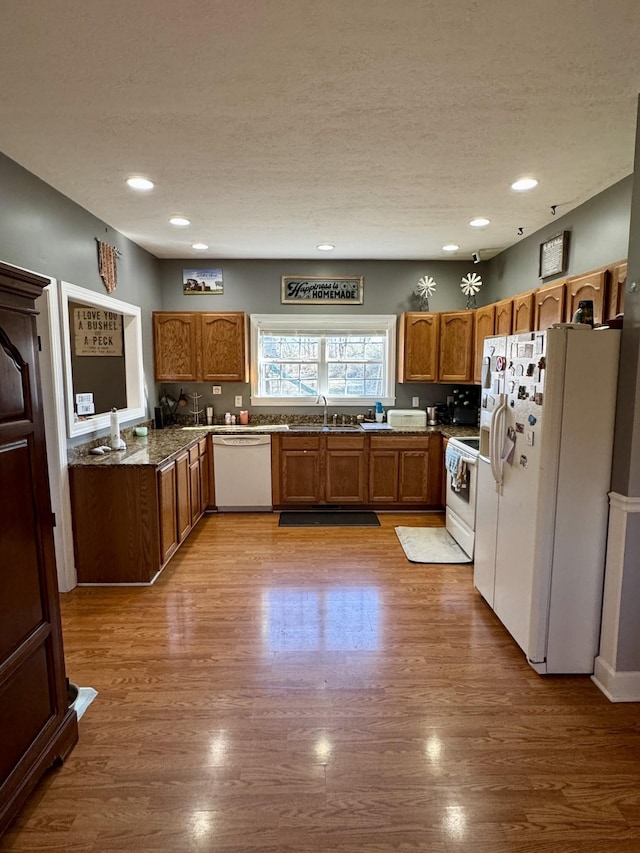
(345, 469)
(129, 520)
(405, 470)
(297, 474)
(357, 470)
(37, 726)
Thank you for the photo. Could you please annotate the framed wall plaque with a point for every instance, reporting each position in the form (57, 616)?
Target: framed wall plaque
(316, 290)
(553, 255)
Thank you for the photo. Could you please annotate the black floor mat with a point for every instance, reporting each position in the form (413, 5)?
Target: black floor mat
(326, 518)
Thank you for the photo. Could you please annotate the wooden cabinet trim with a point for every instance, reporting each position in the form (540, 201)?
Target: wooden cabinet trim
(400, 442)
(456, 346)
(184, 355)
(523, 312)
(592, 286)
(484, 327)
(300, 442)
(550, 304)
(418, 346)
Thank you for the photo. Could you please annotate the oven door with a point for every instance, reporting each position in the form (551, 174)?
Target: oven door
(462, 500)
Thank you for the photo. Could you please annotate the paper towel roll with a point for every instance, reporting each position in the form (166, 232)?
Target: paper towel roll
(115, 430)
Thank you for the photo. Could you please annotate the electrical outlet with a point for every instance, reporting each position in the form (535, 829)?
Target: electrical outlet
(238, 401)
(216, 389)
(415, 402)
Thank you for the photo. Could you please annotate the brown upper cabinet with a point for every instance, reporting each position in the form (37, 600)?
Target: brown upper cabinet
(192, 346)
(224, 350)
(523, 313)
(456, 346)
(617, 285)
(175, 346)
(550, 305)
(484, 327)
(418, 347)
(504, 317)
(590, 286)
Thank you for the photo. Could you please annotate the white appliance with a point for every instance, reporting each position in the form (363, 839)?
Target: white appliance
(460, 515)
(242, 472)
(546, 438)
(407, 418)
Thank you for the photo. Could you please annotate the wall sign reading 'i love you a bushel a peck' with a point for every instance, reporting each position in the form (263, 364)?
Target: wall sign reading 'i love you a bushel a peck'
(314, 290)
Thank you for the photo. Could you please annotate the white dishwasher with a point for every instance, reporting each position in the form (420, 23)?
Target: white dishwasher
(242, 473)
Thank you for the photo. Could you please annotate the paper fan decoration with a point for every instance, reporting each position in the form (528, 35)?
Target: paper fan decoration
(424, 289)
(470, 285)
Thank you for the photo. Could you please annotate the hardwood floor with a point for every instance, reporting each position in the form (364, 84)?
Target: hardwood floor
(308, 689)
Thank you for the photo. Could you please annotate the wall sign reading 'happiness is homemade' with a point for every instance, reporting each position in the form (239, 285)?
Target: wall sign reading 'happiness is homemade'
(316, 290)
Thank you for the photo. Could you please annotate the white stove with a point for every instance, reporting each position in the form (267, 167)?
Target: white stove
(461, 461)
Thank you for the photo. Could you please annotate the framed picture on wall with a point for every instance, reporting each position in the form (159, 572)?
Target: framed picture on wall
(200, 282)
(554, 254)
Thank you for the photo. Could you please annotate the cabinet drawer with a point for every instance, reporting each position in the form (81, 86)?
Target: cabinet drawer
(300, 442)
(345, 442)
(194, 454)
(400, 442)
(202, 445)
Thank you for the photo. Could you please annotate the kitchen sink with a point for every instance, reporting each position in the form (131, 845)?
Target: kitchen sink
(321, 428)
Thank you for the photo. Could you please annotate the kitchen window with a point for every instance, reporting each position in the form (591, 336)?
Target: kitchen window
(294, 359)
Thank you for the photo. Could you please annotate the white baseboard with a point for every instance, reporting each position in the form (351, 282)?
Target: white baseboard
(616, 686)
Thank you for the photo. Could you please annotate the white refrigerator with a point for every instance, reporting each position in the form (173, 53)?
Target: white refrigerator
(546, 439)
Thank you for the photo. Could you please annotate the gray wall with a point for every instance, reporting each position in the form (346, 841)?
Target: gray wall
(599, 235)
(254, 287)
(626, 470)
(44, 231)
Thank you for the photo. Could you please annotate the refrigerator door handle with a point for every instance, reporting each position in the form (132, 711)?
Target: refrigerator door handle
(495, 435)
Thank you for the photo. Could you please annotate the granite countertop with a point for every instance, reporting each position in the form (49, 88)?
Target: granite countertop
(159, 446)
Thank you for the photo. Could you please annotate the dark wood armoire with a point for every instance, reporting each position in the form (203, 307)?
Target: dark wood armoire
(37, 728)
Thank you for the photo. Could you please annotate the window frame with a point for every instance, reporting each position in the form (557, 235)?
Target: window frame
(325, 324)
(134, 368)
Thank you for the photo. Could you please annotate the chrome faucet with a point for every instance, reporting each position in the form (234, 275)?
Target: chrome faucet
(324, 415)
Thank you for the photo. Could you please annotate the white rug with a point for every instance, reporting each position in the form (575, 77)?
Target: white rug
(85, 697)
(430, 545)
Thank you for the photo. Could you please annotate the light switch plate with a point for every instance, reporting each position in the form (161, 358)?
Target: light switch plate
(415, 402)
(238, 400)
(216, 389)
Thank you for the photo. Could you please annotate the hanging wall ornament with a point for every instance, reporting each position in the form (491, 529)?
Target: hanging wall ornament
(470, 285)
(424, 289)
(107, 258)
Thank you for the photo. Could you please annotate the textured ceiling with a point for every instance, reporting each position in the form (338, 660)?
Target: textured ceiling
(382, 127)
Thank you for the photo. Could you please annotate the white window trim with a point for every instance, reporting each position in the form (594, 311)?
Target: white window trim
(327, 323)
(134, 370)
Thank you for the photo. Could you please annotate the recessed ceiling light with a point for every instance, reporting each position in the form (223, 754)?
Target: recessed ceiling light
(325, 247)
(199, 246)
(479, 222)
(524, 184)
(180, 221)
(450, 247)
(137, 182)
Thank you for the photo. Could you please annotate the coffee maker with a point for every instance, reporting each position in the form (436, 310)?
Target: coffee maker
(442, 414)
